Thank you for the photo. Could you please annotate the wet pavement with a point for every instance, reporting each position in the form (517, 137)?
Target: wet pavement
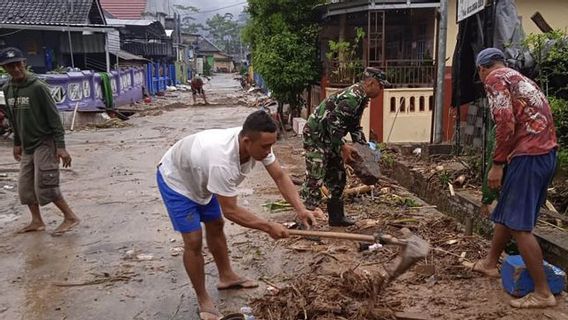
(123, 261)
(118, 263)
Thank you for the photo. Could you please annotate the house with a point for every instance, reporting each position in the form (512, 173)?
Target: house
(150, 28)
(205, 54)
(397, 36)
(156, 10)
(145, 38)
(553, 11)
(400, 37)
(467, 35)
(58, 33)
(215, 57)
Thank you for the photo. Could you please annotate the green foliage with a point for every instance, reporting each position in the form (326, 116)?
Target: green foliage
(560, 113)
(283, 36)
(224, 32)
(188, 24)
(444, 177)
(550, 51)
(343, 59)
(207, 67)
(283, 61)
(563, 159)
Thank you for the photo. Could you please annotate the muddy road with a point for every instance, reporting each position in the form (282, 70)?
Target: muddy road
(123, 261)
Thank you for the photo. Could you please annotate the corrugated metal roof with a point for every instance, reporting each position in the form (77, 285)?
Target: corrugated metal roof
(205, 45)
(53, 12)
(125, 9)
(127, 22)
(127, 56)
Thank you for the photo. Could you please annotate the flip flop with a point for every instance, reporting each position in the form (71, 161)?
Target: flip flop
(532, 301)
(69, 228)
(210, 314)
(28, 229)
(240, 284)
(491, 273)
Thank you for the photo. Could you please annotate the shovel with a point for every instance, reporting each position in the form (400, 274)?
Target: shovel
(413, 247)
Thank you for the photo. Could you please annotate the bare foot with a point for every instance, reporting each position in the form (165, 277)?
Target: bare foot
(33, 227)
(65, 226)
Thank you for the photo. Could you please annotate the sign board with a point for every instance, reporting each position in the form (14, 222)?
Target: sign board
(467, 8)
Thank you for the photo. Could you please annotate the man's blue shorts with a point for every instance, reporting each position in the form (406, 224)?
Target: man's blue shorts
(187, 215)
(524, 191)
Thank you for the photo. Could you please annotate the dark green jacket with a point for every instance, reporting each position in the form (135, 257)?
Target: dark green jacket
(32, 113)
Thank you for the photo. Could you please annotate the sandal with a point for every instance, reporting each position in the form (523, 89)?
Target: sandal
(243, 283)
(210, 314)
(491, 273)
(533, 301)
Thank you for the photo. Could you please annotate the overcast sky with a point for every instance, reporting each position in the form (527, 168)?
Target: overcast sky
(209, 8)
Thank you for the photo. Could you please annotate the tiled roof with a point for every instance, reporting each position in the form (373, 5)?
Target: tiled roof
(53, 12)
(125, 9)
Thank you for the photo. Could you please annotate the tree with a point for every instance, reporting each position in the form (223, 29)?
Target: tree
(223, 31)
(188, 24)
(283, 35)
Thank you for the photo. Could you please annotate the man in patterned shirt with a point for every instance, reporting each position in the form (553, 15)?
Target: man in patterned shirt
(525, 140)
(325, 149)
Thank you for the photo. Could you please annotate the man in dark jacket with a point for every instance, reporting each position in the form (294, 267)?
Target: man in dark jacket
(39, 141)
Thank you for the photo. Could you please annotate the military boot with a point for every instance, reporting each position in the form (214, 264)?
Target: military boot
(336, 214)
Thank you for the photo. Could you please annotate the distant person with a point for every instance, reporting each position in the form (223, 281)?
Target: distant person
(198, 178)
(525, 142)
(197, 89)
(39, 141)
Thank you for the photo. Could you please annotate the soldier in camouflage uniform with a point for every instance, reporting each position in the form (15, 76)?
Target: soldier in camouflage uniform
(325, 148)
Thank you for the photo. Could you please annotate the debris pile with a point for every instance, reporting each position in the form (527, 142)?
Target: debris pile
(350, 294)
(110, 123)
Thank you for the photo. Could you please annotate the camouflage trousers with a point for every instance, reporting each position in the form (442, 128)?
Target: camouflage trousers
(323, 167)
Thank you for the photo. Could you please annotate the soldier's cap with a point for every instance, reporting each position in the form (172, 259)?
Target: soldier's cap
(378, 74)
(11, 54)
(488, 55)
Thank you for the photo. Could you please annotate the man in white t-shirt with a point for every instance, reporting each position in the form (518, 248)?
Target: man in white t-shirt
(198, 179)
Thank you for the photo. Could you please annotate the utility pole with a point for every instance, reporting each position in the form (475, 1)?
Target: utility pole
(441, 70)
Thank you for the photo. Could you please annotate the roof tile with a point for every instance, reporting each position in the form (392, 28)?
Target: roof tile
(58, 12)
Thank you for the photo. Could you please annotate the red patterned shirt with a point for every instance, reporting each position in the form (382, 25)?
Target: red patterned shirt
(522, 115)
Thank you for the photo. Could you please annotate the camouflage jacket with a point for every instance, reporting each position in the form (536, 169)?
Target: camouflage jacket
(336, 116)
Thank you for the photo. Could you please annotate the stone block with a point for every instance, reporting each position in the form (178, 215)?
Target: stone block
(367, 168)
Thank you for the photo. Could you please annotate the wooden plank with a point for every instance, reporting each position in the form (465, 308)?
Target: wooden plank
(411, 316)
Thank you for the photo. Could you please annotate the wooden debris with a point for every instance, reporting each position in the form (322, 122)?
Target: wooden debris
(357, 190)
(452, 191)
(104, 278)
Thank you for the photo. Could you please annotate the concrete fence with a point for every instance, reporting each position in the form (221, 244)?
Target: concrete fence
(84, 89)
(407, 115)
